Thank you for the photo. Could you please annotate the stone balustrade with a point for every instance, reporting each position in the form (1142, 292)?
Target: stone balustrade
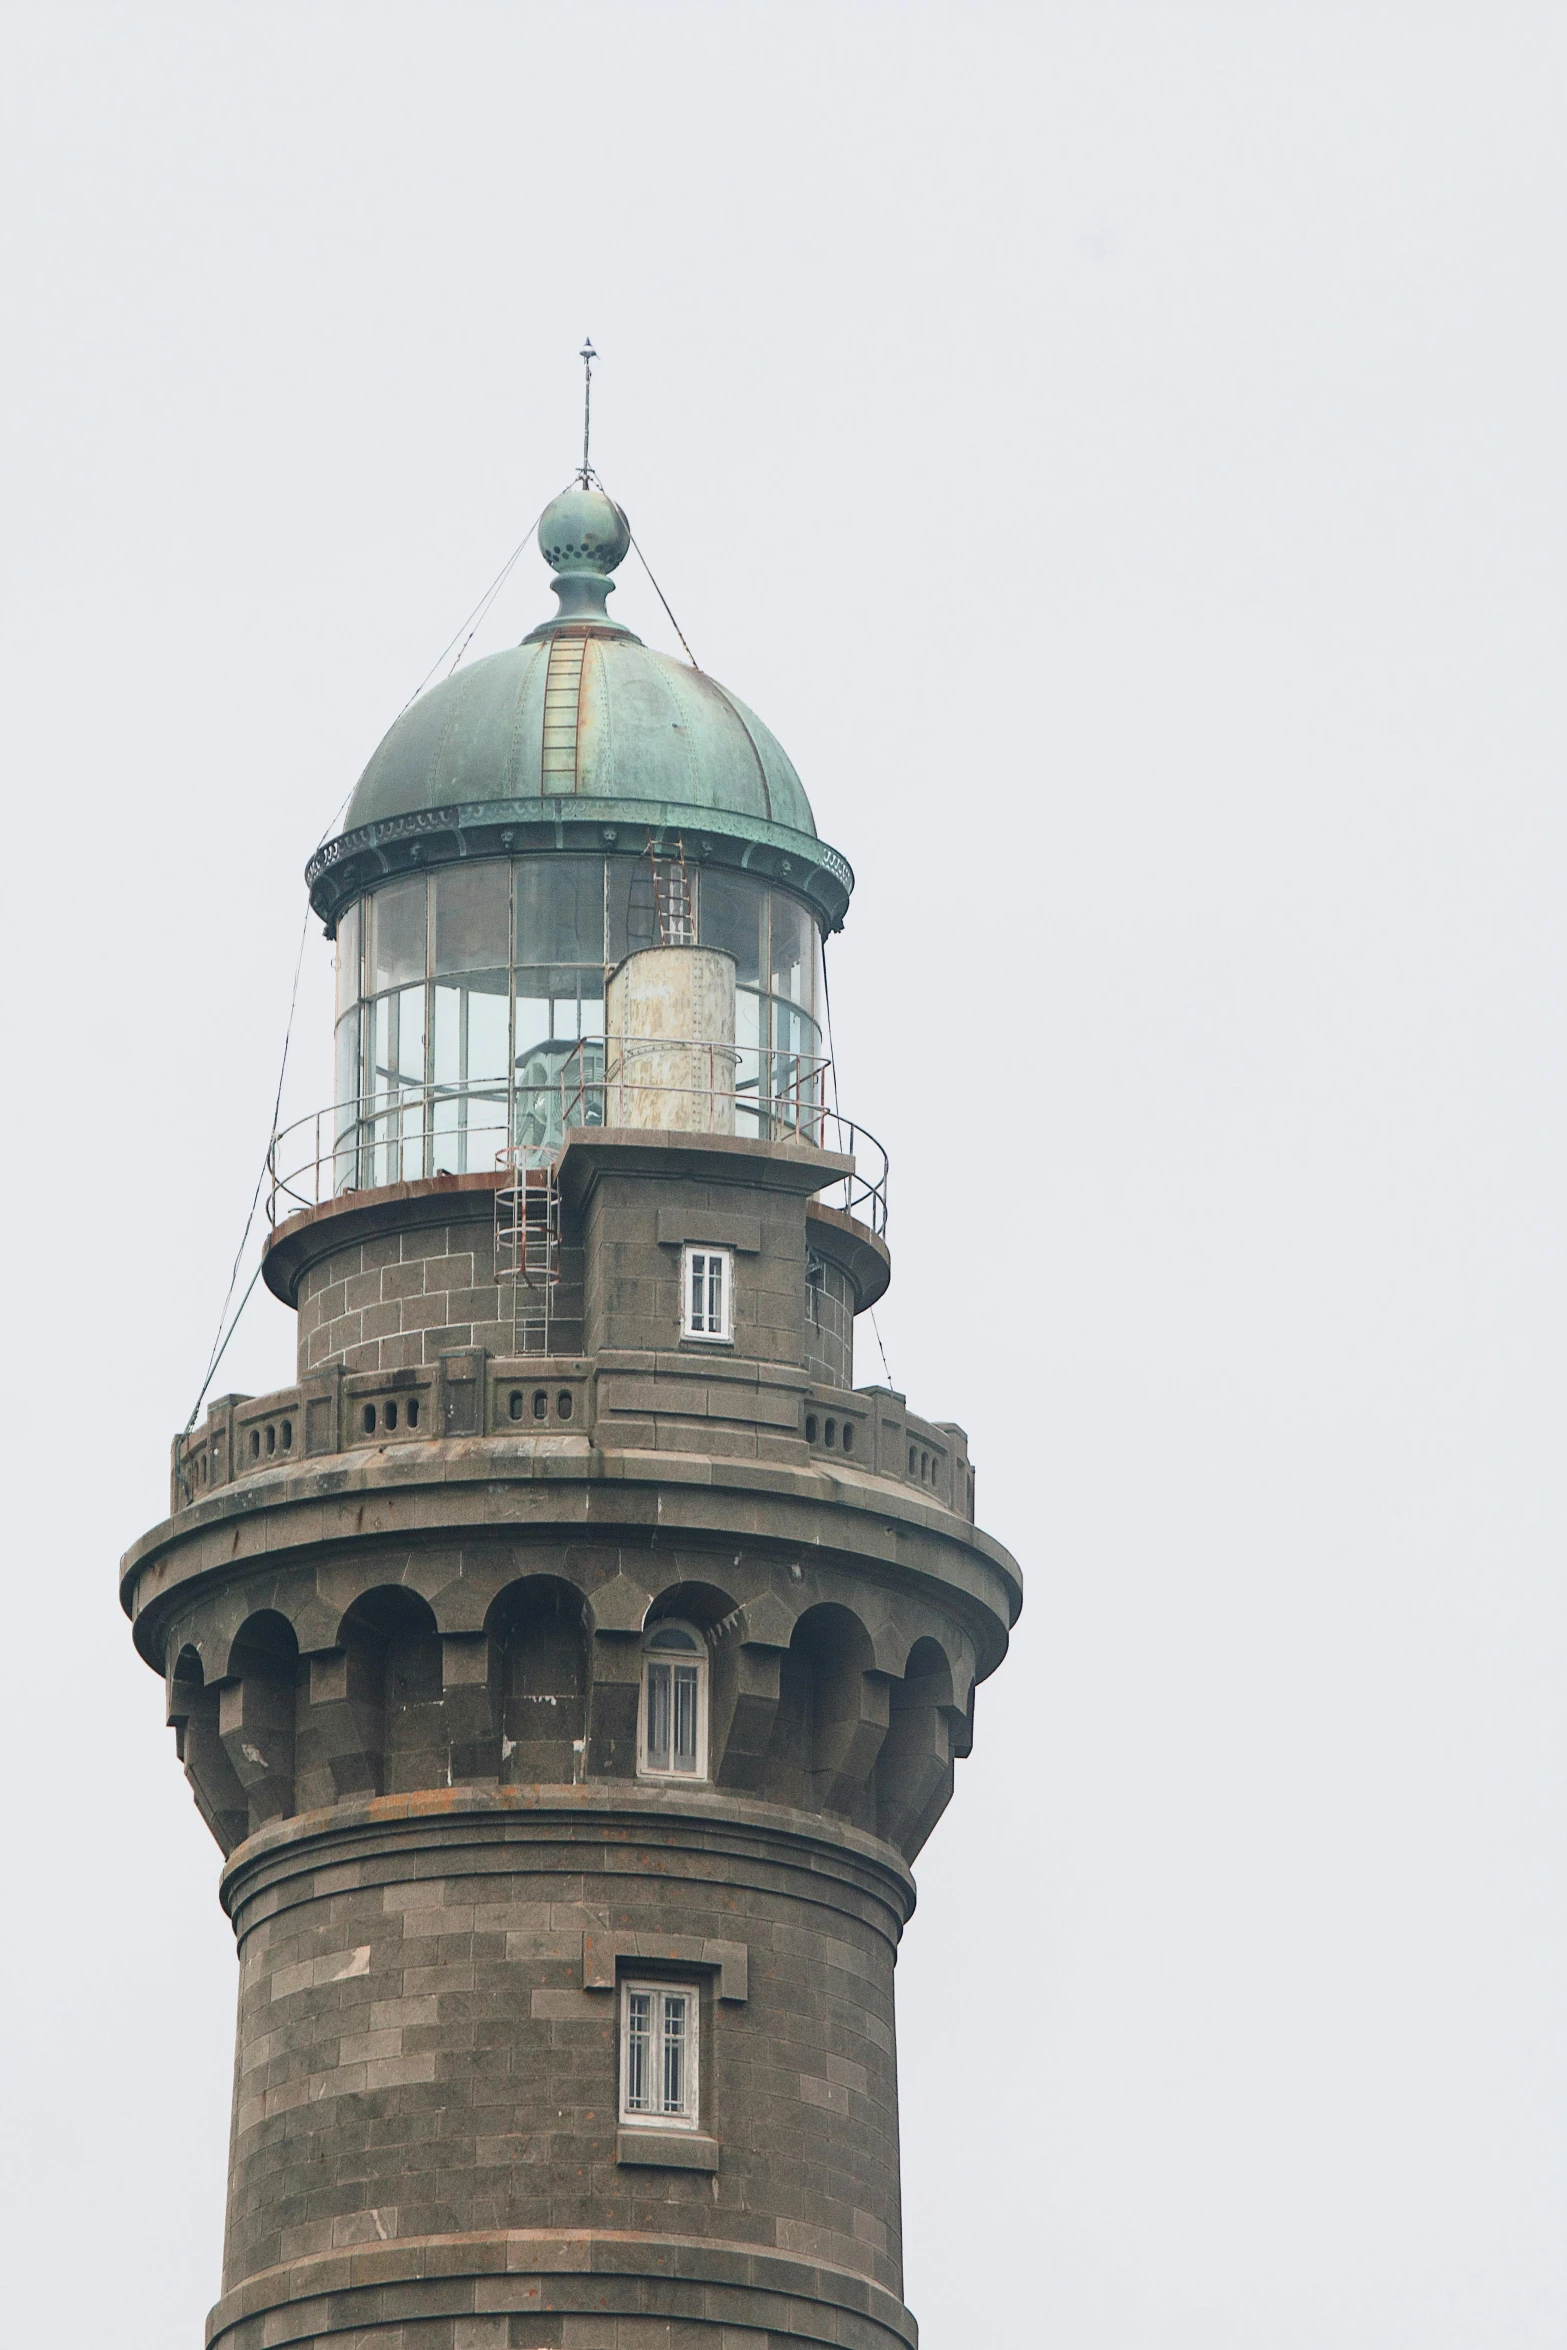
(623, 1400)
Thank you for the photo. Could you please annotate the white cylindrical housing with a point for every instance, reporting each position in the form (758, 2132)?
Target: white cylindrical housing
(669, 1041)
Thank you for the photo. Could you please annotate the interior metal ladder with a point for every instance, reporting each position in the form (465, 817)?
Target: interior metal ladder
(527, 1252)
(672, 897)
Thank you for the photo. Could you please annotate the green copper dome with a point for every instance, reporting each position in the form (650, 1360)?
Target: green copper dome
(580, 736)
(624, 723)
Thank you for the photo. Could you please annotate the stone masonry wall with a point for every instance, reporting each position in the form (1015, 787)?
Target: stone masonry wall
(399, 1300)
(418, 2056)
(635, 1229)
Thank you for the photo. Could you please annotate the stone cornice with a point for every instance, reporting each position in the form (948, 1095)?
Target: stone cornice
(442, 1832)
(537, 2271)
(497, 1486)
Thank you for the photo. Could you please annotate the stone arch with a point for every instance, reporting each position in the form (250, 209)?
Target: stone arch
(701, 1610)
(393, 1654)
(915, 1766)
(538, 1628)
(703, 1605)
(257, 1708)
(237, 1622)
(193, 1716)
(187, 1681)
(712, 1611)
(832, 1717)
(266, 1643)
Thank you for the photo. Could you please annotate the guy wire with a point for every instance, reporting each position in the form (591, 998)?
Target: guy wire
(469, 625)
(664, 600)
(222, 1337)
(480, 609)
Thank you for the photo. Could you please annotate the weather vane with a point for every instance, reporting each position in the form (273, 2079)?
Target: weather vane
(587, 355)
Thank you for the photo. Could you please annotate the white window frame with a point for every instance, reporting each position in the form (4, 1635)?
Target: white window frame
(654, 2117)
(696, 1659)
(696, 1287)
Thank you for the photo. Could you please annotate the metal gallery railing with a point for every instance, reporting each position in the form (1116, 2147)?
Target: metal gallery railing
(404, 1133)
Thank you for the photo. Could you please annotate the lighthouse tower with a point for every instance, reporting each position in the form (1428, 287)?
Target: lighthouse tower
(572, 1662)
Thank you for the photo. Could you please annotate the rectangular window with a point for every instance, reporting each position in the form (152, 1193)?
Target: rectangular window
(706, 1288)
(658, 2055)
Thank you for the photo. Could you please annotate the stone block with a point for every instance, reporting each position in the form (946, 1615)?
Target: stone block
(667, 2149)
(565, 2007)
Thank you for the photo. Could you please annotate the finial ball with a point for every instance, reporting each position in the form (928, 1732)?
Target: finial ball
(582, 530)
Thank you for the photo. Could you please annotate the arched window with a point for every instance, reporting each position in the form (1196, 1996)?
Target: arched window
(673, 1738)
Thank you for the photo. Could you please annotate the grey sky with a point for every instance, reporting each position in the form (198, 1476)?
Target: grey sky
(1118, 450)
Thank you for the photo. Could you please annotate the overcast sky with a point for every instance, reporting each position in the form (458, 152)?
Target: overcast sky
(1118, 449)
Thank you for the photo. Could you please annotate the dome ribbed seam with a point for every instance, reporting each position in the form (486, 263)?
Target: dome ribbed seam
(761, 764)
(683, 729)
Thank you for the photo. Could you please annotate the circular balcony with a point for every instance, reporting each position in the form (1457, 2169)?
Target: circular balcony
(672, 1085)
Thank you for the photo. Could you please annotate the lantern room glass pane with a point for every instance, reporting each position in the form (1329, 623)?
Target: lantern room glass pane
(448, 1043)
(396, 940)
(489, 1039)
(345, 1122)
(748, 1060)
(472, 917)
(470, 1046)
(559, 999)
(793, 935)
(731, 919)
(347, 1068)
(560, 910)
(379, 1070)
(349, 930)
(632, 911)
(471, 1036)
(533, 1020)
(410, 1036)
